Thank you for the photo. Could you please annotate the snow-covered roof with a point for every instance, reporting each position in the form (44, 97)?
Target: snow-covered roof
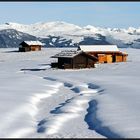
(98, 48)
(71, 54)
(34, 43)
(67, 53)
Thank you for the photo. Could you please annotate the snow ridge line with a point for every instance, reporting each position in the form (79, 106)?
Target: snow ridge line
(70, 109)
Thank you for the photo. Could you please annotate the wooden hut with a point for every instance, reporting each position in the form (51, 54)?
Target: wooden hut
(70, 59)
(30, 46)
(105, 53)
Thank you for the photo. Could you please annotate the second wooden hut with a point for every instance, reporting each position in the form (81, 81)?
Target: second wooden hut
(105, 53)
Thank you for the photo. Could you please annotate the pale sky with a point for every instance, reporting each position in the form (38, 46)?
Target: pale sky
(102, 14)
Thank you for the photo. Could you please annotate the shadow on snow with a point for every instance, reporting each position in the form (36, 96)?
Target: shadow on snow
(41, 128)
(32, 69)
(95, 124)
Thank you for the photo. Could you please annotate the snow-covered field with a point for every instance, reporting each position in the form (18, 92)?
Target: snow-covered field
(39, 102)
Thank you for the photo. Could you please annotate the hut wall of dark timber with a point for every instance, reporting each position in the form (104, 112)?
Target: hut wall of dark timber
(65, 63)
(79, 61)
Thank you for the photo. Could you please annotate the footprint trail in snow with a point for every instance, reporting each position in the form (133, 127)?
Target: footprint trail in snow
(70, 109)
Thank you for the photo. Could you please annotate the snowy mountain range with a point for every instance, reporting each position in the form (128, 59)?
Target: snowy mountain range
(62, 34)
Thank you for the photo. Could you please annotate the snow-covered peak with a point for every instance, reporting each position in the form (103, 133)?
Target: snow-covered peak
(42, 29)
(90, 27)
(56, 26)
(131, 29)
(15, 25)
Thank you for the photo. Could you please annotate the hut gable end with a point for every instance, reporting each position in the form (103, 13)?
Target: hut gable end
(23, 44)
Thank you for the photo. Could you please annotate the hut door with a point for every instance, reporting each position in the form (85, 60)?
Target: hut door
(109, 58)
(113, 58)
